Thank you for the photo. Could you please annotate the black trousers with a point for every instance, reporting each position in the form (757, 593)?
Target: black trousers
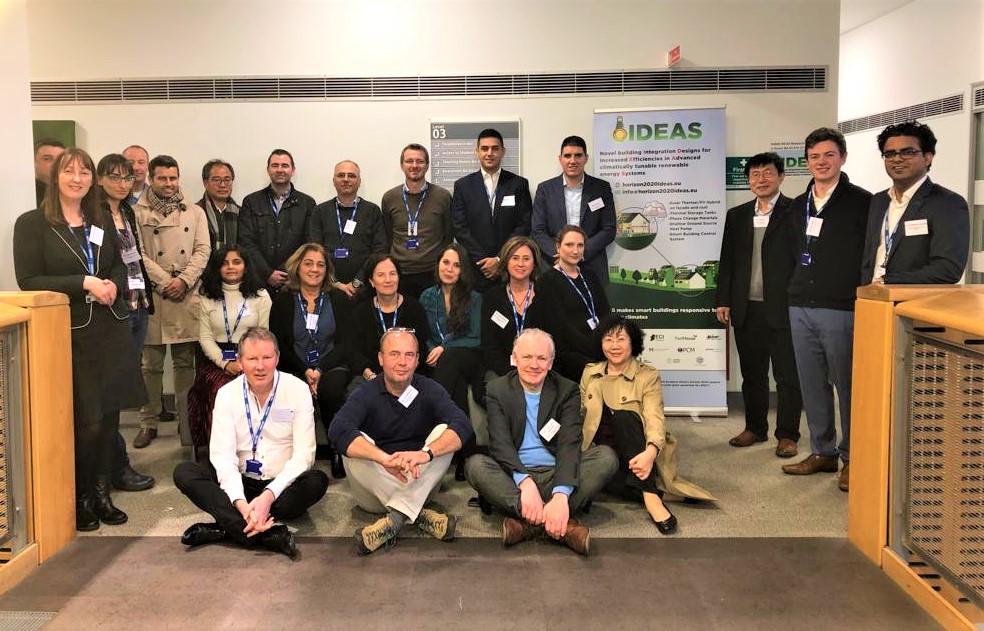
(630, 441)
(331, 393)
(95, 450)
(758, 342)
(456, 370)
(200, 484)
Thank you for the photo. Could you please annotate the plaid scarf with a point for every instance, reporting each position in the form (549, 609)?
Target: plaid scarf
(165, 206)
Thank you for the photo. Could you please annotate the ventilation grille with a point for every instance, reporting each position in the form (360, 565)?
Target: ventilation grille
(946, 105)
(979, 98)
(944, 513)
(781, 79)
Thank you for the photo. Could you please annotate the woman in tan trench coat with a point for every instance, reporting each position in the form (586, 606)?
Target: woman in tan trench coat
(622, 406)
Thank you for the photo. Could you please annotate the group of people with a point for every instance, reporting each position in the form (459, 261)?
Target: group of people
(388, 323)
(789, 270)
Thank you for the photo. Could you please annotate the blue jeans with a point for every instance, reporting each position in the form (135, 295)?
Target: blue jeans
(823, 340)
(138, 328)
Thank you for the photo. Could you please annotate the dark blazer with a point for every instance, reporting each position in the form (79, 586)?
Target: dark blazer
(567, 320)
(937, 257)
(369, 237)
(366, 331)
(478, 227)
(270, 239)
(550, 215)
(230, 222)
(282, 325)
(560, 399)
(735, 266)
(132, 219)
(49, 258)
(497, 341)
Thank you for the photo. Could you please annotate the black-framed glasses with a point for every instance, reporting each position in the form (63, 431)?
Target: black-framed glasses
(220, 180)
(905, 154)
(116, 179)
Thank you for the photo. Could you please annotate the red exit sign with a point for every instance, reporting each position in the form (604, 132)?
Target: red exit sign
(673, 57)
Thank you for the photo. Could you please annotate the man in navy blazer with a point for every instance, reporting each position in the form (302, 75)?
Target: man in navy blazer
(918, 231)
(488, 207)
(575, 198)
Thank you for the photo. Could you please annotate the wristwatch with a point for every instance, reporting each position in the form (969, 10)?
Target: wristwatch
(427, 450)
(356, 283)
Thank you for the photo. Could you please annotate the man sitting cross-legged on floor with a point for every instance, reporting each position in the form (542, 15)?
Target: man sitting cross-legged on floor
(537, 474)
(398, 433)
(261, 451)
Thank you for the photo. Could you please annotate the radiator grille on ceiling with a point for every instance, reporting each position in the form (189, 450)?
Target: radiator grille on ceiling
(945, 477)
(946, 105)
(778, 79)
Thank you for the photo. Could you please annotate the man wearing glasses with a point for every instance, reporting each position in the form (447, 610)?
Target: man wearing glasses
(221, 209)
(398, 433)
(417, 218)
(918, 231)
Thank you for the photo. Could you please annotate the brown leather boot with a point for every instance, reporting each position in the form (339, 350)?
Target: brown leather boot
(578, 537)
(516, 531)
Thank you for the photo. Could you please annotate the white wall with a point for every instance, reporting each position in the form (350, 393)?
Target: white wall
(920, 52)
(16, 147)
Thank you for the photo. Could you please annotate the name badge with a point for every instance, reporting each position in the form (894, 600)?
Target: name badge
(349, 227)
(408, 396)
(130, 255)
(549, 430)
(508, 200)
(916, 227)
(813, 226)
(592, 323)
(96, 235)
(595, 204)
(311, 321)
(412, 244)
(806, 258)
(135, 282)
(761, 221)
(412, 229)
(313, 357)
(254, 467)
(281, 415)
(500, 320)
(228, 355)
(341, 253)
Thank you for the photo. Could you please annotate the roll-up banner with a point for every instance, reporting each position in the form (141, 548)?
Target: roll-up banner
(667, 171)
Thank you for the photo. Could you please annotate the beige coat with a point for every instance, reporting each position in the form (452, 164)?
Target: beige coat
(176, 245)
(638, 390)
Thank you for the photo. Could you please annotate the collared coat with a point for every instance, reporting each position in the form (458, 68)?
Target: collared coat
(173, 246)
(638, 390)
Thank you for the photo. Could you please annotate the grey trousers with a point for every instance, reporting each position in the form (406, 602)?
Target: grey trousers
(598, 465)
(823, 341)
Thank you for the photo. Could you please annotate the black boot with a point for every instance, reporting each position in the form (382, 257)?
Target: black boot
(103, 504)
(85, 518)
(337, 468)
(278, 539)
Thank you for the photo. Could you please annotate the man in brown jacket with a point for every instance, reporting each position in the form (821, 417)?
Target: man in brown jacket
(175, 241)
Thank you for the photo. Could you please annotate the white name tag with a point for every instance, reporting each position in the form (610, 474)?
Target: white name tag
(813, 226)
(595, 204)
(130, 255)
(508, 200)
(281, 415)
(549, 430)
(349, 227)
(408, 396)
(592, 323)
(311, 321)
(761, 221)
(499, 319)
(96, 235)
(135, 282)
(916, 227)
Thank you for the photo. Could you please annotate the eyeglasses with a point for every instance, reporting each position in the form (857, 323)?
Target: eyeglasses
(220, 180)
(411, 161)
(116, 179)
(905, 154)
(400, 329)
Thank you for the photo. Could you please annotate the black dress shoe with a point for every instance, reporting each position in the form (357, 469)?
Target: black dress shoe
(459, 470)
(102, 506)
(85, 519)
(668, 526)
(279, 539)
(200, 534)
(337, 468)
(130, 480)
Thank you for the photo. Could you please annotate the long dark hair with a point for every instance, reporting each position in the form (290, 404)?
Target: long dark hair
(211, 286)
(459, 316)
(51, 204)
(108, 165)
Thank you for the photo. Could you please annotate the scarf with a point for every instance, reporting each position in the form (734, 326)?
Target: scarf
(165, 206)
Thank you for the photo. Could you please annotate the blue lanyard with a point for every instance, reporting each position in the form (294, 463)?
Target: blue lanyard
(520, 321)
(255, 436)
(273, 205)
(412, 217)
(379, 312)
(809, 213)
(589, 301)
(889, 236)
(437, 322)
(312, 333)
(338, 218)
(225, 318)
(86, 246)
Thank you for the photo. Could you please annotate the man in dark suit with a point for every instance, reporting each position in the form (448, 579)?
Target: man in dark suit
(756, 264)
(536, 473)
(489, 206)
(918, 231)
(575, 198)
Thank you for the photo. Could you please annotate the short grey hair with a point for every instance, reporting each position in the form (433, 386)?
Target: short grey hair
(257, 334)
(536, 333)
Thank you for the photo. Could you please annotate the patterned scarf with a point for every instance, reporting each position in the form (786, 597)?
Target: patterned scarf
(165, 206)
